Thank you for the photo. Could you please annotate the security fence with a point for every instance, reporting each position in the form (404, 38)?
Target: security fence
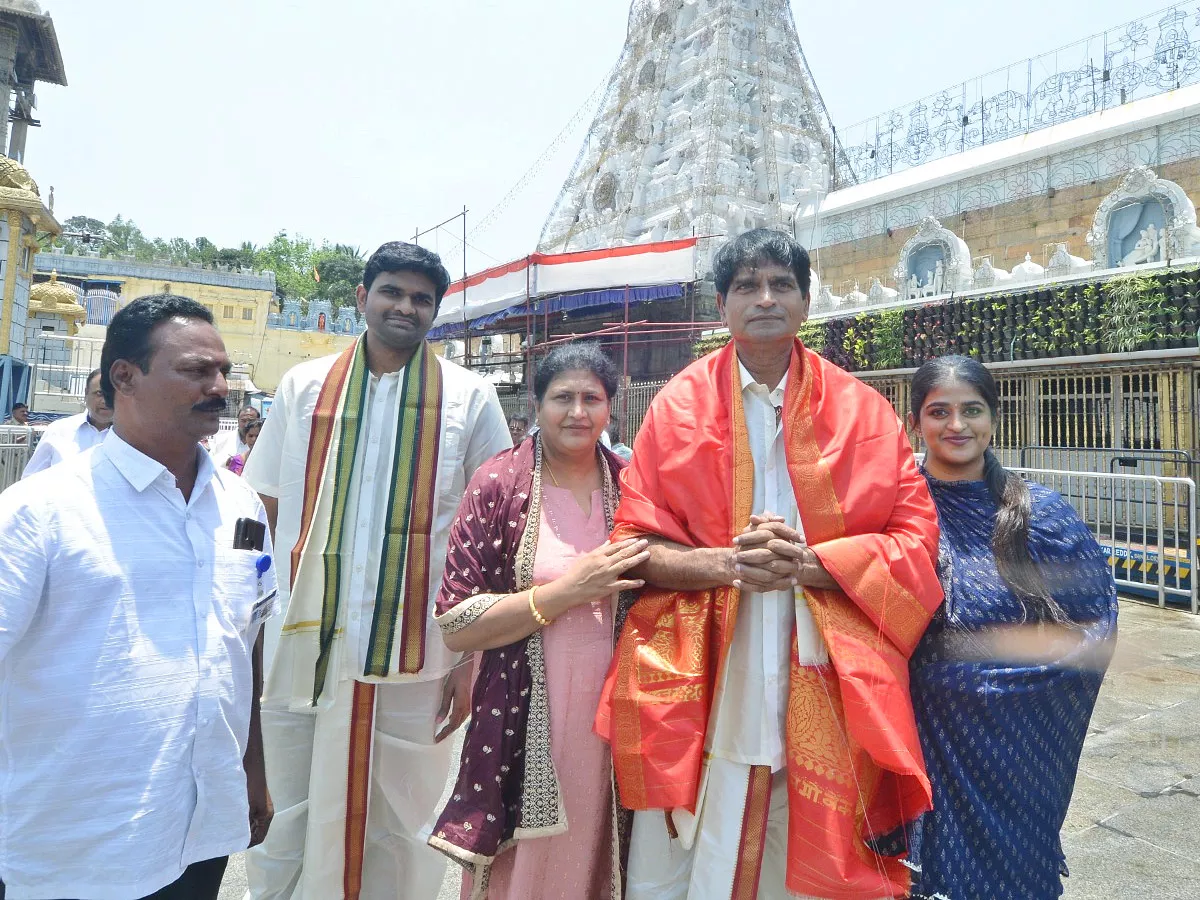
(1145, 523)
(60, 366)
(16, 446)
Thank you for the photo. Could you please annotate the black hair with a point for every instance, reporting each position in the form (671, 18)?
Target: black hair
(129, 333)
(753, 248)
(397, 256)
(571, 358)
(1010, 535)
(519, 417)
(257, 423)
(92, 374)
(20, 405)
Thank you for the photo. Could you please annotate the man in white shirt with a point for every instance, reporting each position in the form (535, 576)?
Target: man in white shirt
(362, 463)
(225, 445)
(67, 438)
(130, 659)
(759, 694)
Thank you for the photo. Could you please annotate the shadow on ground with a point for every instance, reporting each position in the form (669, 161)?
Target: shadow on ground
(1133, 831)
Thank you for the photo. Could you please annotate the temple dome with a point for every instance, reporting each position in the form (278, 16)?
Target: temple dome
(55, 299)
(15, 176)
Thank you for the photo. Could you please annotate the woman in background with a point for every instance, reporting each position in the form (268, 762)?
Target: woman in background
(238, 462)
(1005, 679)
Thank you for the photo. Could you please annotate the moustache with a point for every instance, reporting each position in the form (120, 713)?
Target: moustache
(210, 407)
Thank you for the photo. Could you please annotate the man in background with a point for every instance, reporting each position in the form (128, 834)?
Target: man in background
(20, 415)
(518, 427)
(227, 444)
(67, 438)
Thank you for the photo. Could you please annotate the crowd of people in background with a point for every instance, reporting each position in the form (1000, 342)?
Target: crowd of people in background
(763, 652)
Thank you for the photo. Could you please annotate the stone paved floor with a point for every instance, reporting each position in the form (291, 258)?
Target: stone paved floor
(1133, 831)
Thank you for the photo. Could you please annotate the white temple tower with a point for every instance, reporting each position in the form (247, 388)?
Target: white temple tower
(711, 124)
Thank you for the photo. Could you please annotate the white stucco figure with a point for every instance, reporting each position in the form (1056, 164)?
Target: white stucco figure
(1145, 250)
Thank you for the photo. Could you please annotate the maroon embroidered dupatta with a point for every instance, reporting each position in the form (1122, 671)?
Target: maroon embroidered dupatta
(506, 788)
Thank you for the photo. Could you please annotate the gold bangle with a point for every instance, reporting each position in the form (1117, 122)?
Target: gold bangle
(537, 616)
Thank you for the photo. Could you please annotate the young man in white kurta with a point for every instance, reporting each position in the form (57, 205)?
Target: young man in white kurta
(751, 708)
(409, 768)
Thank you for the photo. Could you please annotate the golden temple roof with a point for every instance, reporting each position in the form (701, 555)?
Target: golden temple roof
(55, 299)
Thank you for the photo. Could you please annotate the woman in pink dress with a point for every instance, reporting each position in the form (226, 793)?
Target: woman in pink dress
(532, 582)
(238, 462)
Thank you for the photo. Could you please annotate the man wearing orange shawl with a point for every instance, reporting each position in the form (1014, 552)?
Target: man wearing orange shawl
(759, 693)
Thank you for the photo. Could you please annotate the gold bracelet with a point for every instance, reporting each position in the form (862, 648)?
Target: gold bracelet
(537, 616)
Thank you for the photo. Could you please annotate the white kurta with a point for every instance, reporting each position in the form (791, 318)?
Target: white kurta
(62, 440)
(408, 768)
(750, 712)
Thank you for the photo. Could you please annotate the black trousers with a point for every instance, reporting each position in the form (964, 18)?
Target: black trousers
(199, 881)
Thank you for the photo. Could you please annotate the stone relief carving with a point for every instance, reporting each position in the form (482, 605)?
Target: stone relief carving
(1178, 237)
(934, 261)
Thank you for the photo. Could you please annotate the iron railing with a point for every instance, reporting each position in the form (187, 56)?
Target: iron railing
(1146, 524)
(16, 446)
(1151, 55)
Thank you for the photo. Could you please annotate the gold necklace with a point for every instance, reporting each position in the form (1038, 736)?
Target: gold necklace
(550, 469)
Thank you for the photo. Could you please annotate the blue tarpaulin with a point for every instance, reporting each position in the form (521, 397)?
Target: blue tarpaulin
(592, 301)
(14, 384)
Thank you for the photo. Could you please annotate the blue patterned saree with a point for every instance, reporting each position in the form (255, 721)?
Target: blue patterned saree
(1002, 729)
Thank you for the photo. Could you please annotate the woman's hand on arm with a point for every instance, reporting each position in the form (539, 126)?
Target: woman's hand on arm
(677, 567)
(594, 576)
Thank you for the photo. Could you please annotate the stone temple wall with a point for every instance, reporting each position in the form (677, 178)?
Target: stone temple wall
(1006, 231)
(1007, 209)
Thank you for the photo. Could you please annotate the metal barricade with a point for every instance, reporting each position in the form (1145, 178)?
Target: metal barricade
(1147, 461)
(16, 446)
(61, 364)
(1146, 524)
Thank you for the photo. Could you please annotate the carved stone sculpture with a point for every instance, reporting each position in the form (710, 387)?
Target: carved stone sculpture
(1146, 250)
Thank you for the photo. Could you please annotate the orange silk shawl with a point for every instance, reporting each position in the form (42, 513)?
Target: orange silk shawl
(854, 763)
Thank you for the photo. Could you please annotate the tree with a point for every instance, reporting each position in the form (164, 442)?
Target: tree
(295, 261)
(291, 259)
(124, 238)
(341, 270)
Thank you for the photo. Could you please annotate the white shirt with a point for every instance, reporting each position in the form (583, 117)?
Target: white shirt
(62, 440)
(473, 430)
(127, 623)
(752, 710)
(225, 445)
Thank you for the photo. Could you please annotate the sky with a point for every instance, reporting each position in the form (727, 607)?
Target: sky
(362, 121)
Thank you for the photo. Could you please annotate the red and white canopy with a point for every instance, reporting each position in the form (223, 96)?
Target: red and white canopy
(540, 274)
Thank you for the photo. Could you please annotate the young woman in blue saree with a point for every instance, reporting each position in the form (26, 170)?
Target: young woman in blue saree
(1005, 679)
